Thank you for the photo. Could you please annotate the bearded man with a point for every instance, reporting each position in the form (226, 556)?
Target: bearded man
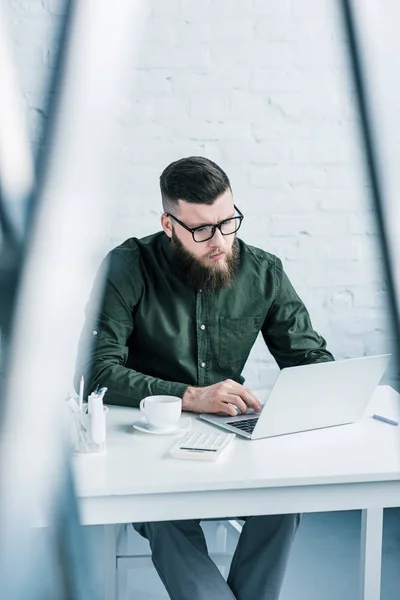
(180, 312)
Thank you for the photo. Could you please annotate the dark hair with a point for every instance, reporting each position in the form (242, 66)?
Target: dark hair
(194, 179)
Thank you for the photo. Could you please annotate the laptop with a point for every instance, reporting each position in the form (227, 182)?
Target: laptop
(309, 397)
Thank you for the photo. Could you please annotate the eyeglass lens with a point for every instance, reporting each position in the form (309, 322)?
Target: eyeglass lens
(227, 228)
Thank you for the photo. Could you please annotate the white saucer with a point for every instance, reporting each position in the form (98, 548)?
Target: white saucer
(183, 425)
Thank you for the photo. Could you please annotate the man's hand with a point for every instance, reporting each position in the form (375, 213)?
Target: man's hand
(227, 397)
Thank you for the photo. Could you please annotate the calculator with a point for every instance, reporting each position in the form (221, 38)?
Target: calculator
(201, 445)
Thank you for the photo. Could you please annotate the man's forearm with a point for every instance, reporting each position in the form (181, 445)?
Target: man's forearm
(127, 387)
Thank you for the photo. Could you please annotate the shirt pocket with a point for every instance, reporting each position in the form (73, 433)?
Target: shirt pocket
(236, 339)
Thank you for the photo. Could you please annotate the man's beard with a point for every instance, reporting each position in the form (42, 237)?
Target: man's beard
(200, 276)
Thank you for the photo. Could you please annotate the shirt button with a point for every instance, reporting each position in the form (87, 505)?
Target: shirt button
(94, 332)
(203, 364)
(202, 327)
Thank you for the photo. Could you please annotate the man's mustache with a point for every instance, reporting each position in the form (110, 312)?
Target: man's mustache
(215, 253)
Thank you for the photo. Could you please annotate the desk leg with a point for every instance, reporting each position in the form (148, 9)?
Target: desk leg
(122, 574)
(371, 554)
(110, 562)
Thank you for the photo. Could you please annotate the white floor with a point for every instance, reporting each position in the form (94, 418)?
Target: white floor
(323, 565)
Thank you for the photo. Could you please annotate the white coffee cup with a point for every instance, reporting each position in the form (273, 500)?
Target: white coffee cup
(162, 412)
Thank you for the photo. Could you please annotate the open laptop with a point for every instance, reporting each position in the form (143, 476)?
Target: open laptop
(311, 397)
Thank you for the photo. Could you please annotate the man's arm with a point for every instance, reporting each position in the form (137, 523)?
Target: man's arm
(103, 349)
(228, 397)
(287, 329)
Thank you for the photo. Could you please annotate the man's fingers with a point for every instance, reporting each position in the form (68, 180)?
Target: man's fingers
(244, 393)
(250, 399)
(228, 408)
(235, 405)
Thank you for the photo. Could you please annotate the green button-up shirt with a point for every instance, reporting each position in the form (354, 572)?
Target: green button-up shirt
(154, 334)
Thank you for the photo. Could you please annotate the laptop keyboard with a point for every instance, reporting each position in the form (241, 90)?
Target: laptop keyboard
(245, 425)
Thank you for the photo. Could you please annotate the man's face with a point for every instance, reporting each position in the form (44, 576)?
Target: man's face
(210, 264)
(212, 253)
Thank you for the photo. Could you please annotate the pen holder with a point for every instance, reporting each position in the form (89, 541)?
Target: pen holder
(88, 432)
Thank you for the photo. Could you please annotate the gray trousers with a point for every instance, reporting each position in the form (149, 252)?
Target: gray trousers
(179, 553)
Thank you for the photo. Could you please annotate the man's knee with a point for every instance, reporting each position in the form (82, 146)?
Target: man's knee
(276, 523)
(151, 530)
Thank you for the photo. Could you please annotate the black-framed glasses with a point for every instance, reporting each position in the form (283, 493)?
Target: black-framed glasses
(206, 232)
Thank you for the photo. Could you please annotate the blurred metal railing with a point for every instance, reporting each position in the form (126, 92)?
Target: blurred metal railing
(368, 127)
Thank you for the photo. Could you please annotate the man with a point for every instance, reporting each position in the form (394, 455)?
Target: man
(181, 311)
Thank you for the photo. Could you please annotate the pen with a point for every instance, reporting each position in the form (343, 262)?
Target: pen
(384, 419)
(81, 387)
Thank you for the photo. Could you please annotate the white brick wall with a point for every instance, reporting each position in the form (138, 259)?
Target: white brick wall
(260, 86)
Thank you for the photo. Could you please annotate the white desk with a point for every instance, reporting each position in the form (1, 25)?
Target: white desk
(342, 468)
